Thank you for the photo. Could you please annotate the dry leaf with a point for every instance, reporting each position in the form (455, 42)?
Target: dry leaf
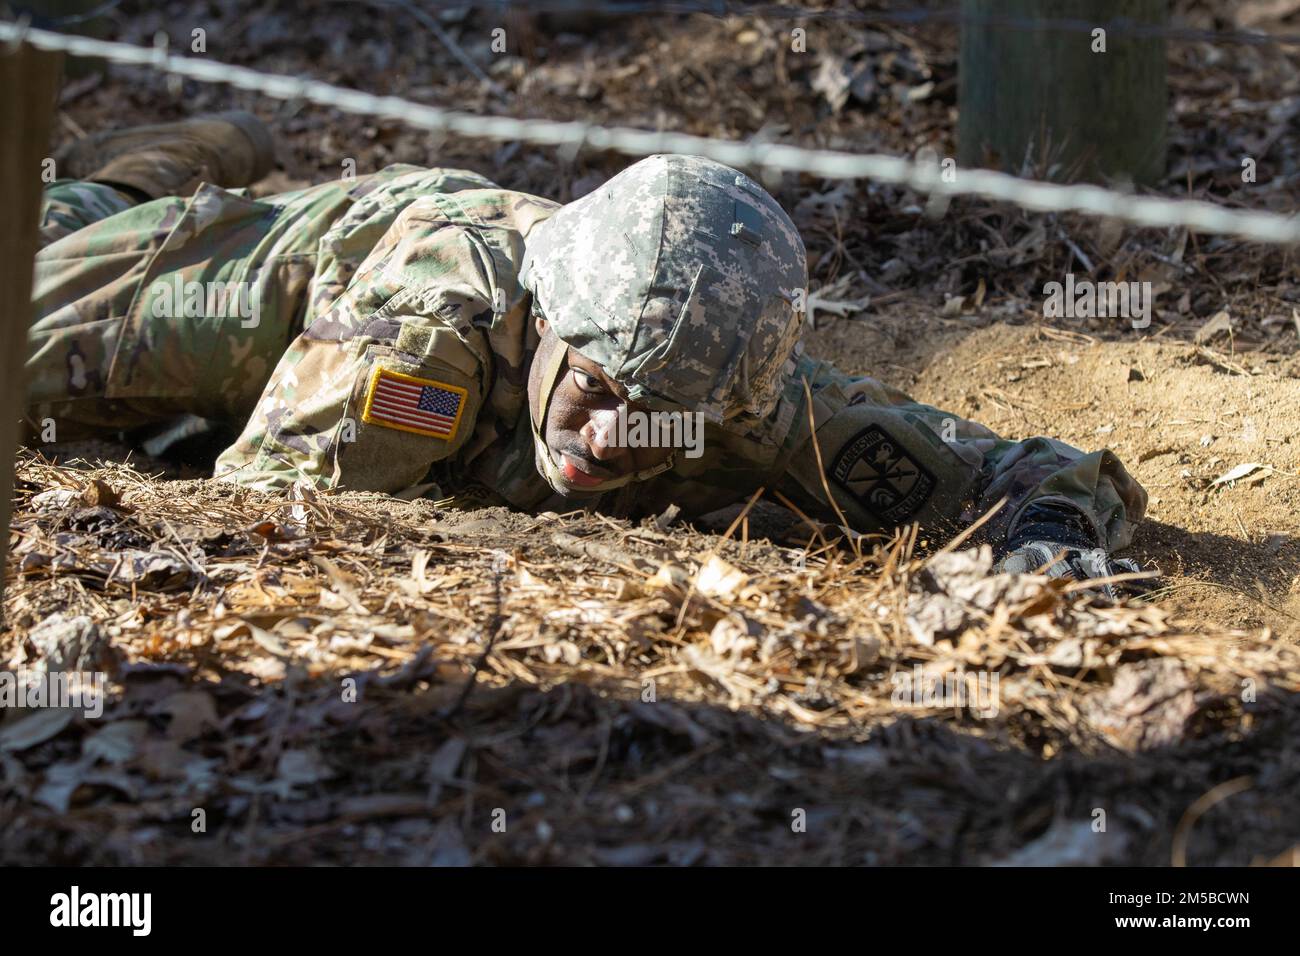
(99, 493)
(717, 578)
(192, 712)
(1218, 324)
(1070, 843)
(1242, 471)
(302, 767)
(35, 729)
(116, 743)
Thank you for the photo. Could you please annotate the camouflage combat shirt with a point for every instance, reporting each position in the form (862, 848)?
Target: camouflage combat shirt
(391, 348)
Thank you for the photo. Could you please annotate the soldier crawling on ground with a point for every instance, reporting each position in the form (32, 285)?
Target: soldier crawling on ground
(424, 332)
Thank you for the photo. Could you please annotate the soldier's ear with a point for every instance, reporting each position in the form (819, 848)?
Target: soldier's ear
(540, 323)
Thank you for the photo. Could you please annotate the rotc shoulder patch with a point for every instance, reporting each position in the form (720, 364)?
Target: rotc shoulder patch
(882, 476)
(410, 404)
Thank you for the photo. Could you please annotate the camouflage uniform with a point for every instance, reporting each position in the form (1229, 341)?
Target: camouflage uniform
(411, 278)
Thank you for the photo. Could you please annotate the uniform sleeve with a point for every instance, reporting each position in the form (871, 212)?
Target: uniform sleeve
(387, 381)
(890, 461)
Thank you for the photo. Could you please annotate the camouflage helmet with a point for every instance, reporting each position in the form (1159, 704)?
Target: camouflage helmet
(682, 278)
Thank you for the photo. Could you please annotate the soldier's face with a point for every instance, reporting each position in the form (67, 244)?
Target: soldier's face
(581, 428)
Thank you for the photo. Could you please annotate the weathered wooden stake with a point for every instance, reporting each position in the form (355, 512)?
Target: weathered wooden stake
(29, 82)
(1029, 92)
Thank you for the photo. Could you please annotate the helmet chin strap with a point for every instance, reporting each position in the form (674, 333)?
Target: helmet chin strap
(545, 461)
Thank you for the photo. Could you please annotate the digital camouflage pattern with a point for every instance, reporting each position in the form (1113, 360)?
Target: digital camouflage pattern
(416, 273)
(683, 279)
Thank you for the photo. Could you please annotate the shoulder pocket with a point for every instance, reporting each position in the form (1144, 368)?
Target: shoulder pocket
(403, 414)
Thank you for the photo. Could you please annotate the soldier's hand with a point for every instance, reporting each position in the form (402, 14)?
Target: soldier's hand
(1060, 560)
(1055, 539)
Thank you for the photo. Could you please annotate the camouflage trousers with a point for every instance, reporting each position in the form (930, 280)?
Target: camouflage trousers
(125, 332)
(144, 312)
(69, 205)
(97, 245)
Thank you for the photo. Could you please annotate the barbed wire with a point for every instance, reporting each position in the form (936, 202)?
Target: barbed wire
(1118, 26)
(924, 177)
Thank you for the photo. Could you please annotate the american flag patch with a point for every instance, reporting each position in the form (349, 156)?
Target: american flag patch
(413, 404)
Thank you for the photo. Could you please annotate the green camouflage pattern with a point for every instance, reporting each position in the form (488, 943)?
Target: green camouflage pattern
(968, 469)
(683, 278)
(114, 346)
(418, 271)
(70, 205)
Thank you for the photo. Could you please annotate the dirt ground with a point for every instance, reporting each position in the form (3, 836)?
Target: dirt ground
(1230, 553)
(774, 683)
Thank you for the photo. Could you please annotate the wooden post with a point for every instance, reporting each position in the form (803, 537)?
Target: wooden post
(29, 82)
(1097, 115)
